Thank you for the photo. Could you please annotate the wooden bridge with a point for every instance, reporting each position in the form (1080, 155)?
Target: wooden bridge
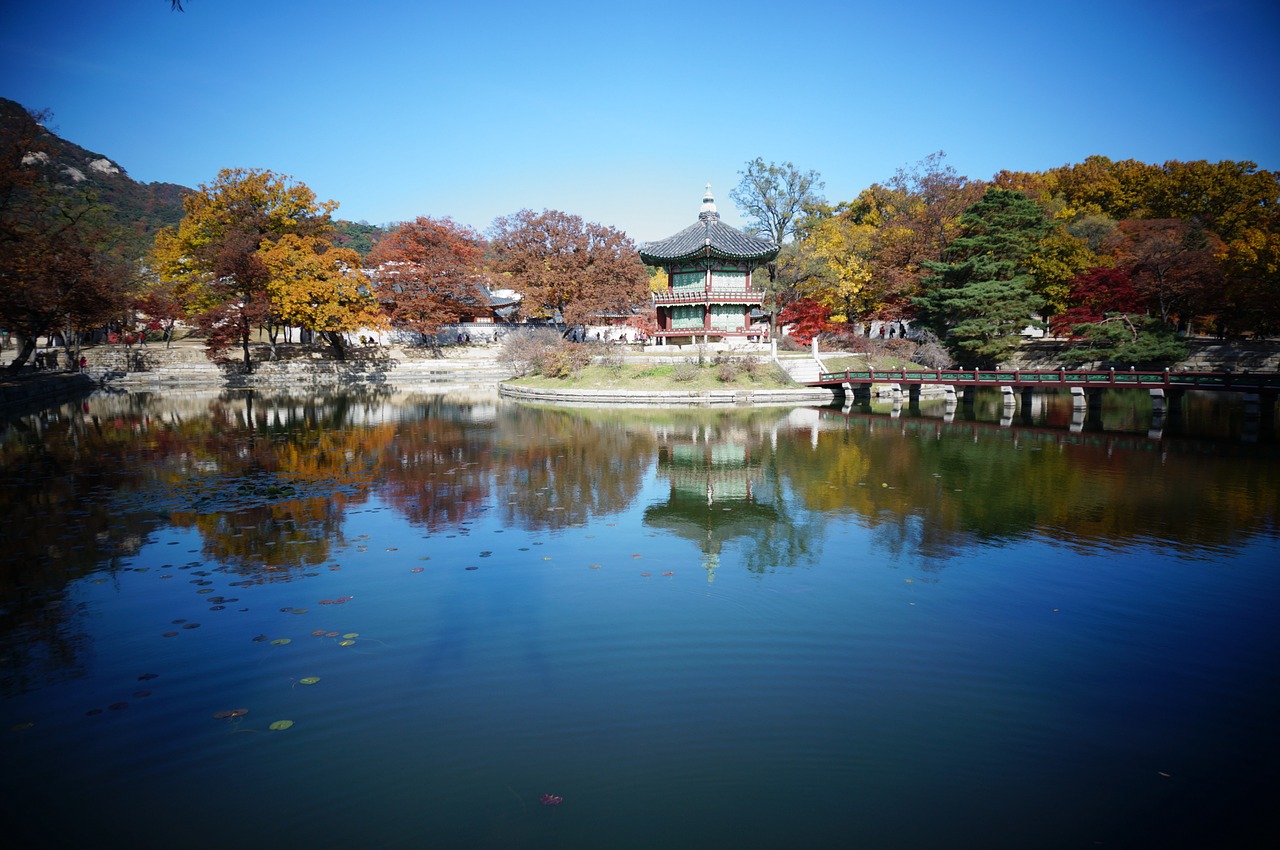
(1085, 385)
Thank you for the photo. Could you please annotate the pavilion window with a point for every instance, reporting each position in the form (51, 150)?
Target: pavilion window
(686, 317)
(726, 317)
(723, 280)
(688, 282)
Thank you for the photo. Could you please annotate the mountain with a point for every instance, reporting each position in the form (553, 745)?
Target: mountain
(137, 210)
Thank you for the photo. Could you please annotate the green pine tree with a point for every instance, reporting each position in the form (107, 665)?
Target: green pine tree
(981, 299)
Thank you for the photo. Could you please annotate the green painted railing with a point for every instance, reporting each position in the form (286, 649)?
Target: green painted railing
(1227, 381)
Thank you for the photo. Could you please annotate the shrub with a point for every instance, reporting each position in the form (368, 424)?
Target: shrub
(524, 350)
(610, 356)
(684, 370)
(564, 360)
(730, 366)
(790, 343)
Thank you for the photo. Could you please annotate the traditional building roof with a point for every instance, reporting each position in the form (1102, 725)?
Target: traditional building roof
(709, 237)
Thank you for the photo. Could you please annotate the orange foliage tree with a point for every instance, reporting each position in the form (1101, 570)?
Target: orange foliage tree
(567, 267)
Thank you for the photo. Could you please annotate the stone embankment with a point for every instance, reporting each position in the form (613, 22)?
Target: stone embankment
(185, 365)
(694, 398)
(1206, 355)
(155, 367)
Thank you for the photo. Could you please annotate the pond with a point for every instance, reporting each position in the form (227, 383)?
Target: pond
(448, 620)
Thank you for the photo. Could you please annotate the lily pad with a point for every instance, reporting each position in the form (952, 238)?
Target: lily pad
(280, 725)
(281, 641)
(345, 642)
(309, 680)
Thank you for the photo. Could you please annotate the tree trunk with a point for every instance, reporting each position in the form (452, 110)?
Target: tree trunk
(248, 358)
(335, 341)
(28, 346)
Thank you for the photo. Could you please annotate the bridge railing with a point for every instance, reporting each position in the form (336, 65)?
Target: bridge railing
(1237, 381)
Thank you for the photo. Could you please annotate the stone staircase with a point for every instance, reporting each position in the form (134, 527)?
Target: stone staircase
(802, 368)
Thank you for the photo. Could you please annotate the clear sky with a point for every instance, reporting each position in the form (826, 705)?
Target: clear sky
(620, 112)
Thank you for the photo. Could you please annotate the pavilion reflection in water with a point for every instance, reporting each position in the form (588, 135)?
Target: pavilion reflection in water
(714, 477)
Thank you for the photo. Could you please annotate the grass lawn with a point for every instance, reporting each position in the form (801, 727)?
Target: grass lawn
(655, 376)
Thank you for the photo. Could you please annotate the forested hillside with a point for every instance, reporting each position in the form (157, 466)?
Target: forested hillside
(135, 210)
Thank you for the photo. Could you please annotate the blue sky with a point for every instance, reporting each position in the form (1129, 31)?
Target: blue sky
(620, 113)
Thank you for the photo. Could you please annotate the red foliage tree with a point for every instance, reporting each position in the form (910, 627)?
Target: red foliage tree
(807, 319)
(1174, 263)
(427, 273)
(1095, 294)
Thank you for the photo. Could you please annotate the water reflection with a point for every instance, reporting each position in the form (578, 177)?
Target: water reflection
(267, 483)
(1013, 622)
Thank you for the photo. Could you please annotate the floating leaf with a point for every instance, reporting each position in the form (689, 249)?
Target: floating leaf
(350, 635)
(473, 568)
(299, 610)
(280, 725)
(416, 570)
(116, 706)
(281, 641)
(260, 638)
(593, 566)
(148, 676)
(309, 680)
(191, 625)
(668, 574)
(646, 575)
(345, 642)
(330, 634)
(168, 634)
(318, 633)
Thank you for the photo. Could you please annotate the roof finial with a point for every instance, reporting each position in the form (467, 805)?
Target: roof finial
(708, 211)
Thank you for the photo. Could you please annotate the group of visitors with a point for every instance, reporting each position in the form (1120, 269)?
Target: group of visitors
(48, 361)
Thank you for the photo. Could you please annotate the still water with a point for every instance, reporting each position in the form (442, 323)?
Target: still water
(406, 621)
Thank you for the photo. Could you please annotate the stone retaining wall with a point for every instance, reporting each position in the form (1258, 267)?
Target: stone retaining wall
(1205, 356)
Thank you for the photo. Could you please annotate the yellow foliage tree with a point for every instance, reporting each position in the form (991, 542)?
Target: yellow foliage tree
(214, 256)
(317, 286)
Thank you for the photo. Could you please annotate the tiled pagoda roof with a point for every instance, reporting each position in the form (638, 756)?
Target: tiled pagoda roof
(708, 237)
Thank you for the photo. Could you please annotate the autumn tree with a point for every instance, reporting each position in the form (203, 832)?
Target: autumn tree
(1173, 263)
(1108, 321)
(566, 267)
(875, 246)
(61, 269)
(807, 318)
(428, 273)
(316, 286)
(980, 300)
(215, 257)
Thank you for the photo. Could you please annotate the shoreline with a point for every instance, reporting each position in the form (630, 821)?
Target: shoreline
(184, 366)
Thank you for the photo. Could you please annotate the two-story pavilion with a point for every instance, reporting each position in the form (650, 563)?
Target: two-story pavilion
(709, 296)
